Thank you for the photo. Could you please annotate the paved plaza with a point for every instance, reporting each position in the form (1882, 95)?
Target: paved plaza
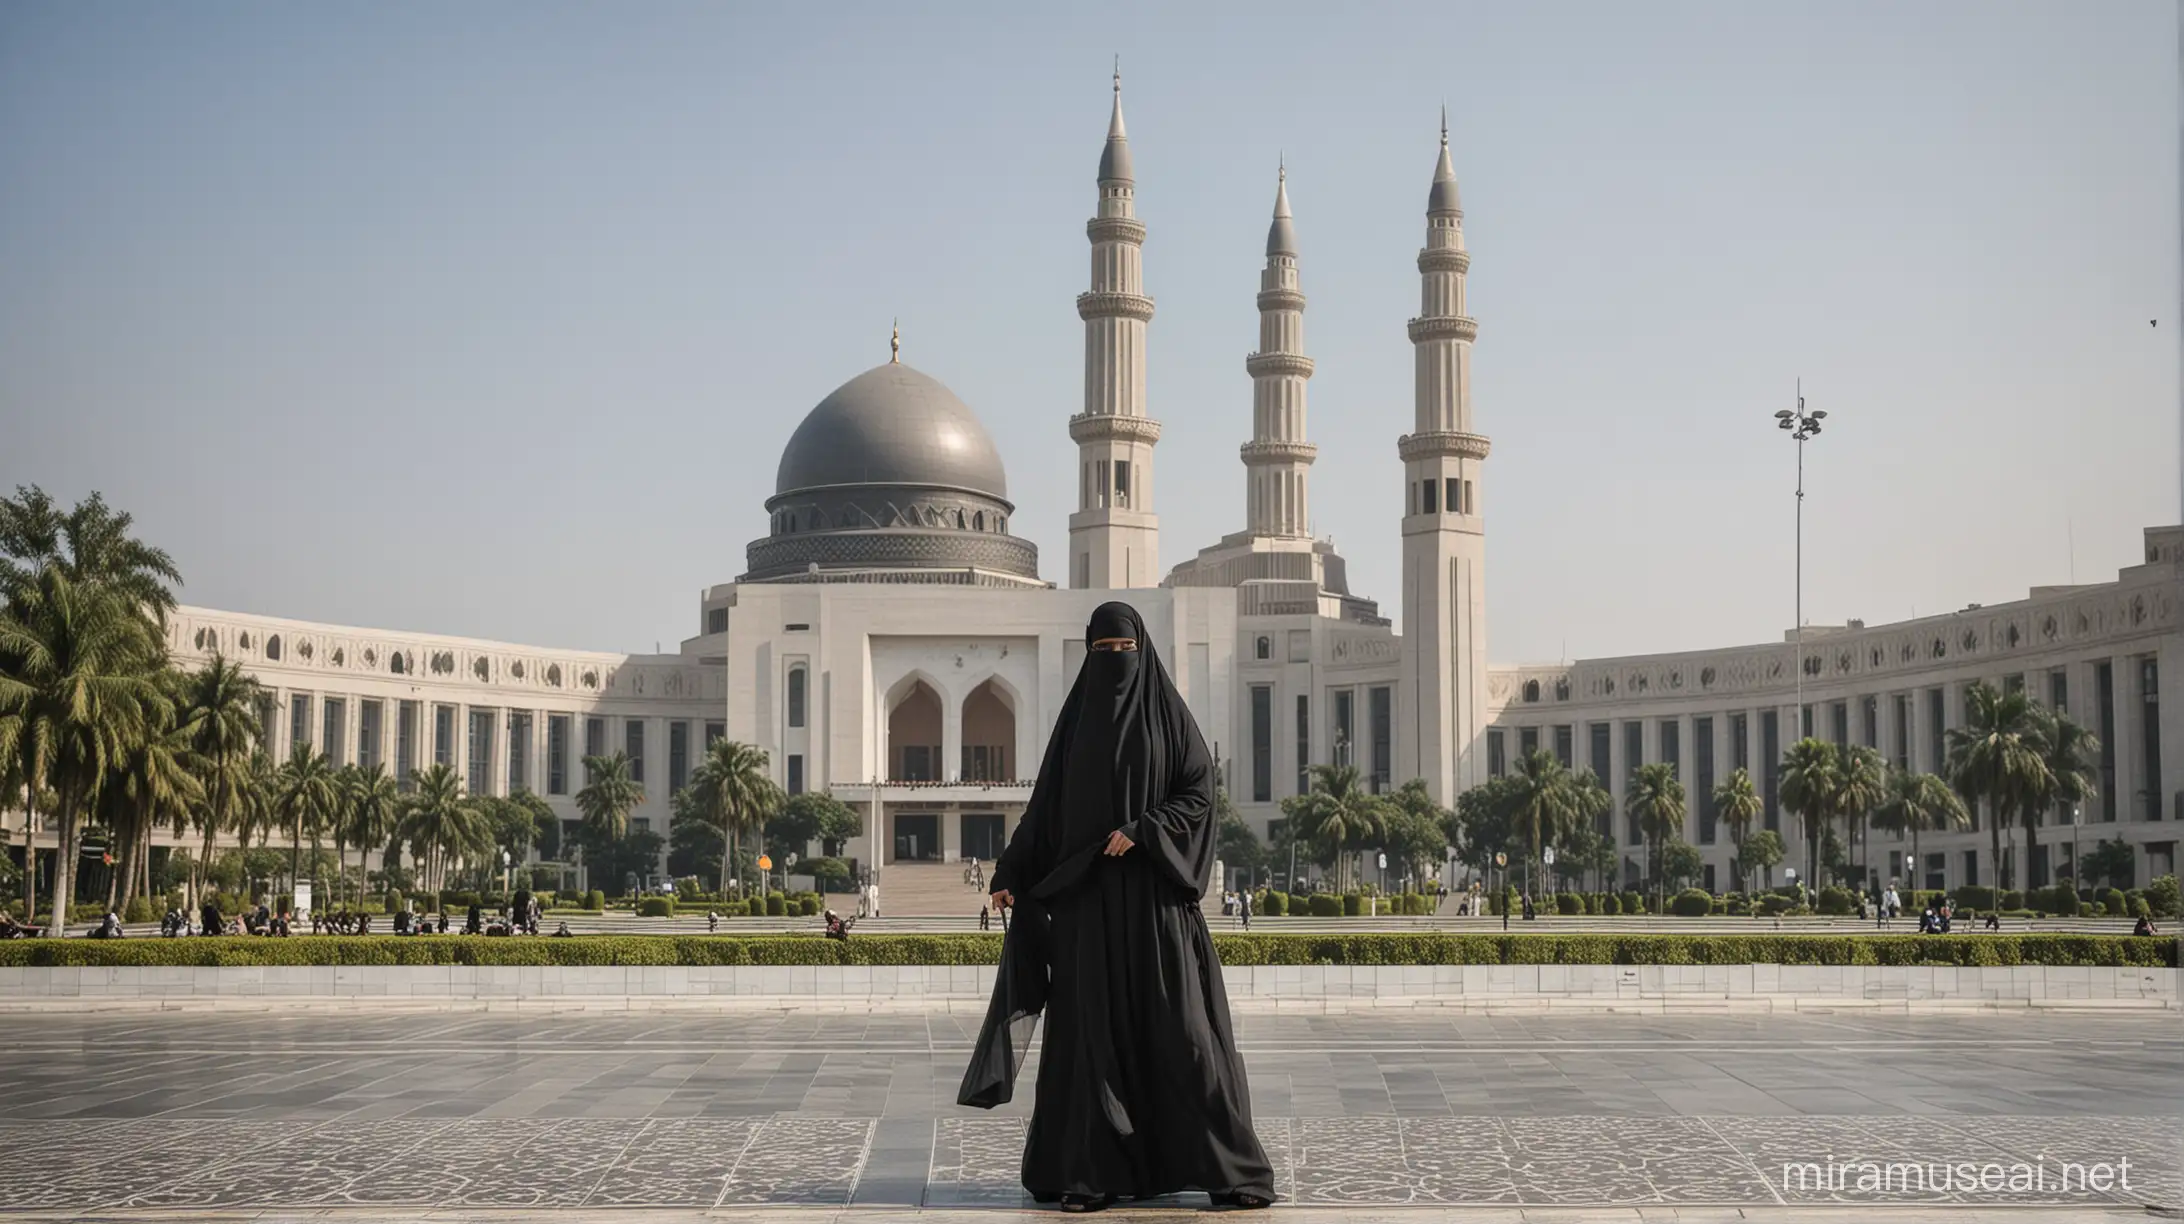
(134, 1115)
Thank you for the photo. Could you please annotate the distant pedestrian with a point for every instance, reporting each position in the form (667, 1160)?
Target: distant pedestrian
(985, 917)
(1243, 909)
(712, 921)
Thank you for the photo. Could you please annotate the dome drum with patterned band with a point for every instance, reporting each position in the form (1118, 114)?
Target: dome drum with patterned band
(889, 472)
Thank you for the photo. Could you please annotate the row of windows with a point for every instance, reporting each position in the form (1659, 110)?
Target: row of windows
(484, 726)
(1378, 764)
(1105, 483)
(1446, 495)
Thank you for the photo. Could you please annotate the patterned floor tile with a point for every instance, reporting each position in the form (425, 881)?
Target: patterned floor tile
(795, 1159)
(681, 1162)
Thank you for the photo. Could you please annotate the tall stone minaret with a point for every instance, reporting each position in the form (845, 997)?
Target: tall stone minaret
(1442, 708)
(1114, 536)
(1277, 458)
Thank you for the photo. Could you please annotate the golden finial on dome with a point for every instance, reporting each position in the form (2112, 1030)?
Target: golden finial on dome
(894, 345)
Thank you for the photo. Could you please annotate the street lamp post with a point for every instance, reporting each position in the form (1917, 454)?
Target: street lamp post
(1801, 425)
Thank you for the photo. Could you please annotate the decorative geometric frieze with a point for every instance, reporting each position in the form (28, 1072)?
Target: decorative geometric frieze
(1115, 229)
(1260, 365)
(1280, 299)
(1441, 259)
(1442, 444)
(1113, 427)
(1443, 327)
(1114, 306)
(1258, 453)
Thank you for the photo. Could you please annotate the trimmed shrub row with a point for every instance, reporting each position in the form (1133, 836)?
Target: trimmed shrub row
(1234, 949)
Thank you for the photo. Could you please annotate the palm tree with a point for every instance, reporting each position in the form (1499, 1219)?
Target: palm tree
(1545, 799)
(1862, 779)
(440, 823)
(308, 790)
(1917, 802)
(1811, 784)
(1656, 798)
(85, 670)
(1995, 757)
(733, 792)
(370, 811)
(220, 725)
(90, 544)
(607, 798)
(1737, 803)
(152, 786)
(1590, 802)
(2069, 748)
(1337, 814)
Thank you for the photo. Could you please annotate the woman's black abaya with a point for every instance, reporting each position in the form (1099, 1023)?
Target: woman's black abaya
(1140, 1091)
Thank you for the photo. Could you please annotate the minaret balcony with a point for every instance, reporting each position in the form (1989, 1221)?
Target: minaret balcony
(1440, 444)
(1092, 306)
(1113, 427)
(1444, 259)
(1115, 229)
(1262, 365)
(1280, 299)
(1274, 453)
(1444, 327)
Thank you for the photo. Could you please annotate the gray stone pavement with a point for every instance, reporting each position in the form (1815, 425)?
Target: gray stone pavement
(444, 1116)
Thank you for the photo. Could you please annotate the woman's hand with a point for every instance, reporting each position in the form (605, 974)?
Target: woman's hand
(1118, 842)
(1003, 898)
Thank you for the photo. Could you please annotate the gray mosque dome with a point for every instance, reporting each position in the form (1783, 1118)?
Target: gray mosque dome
(892, 425)
(891, 478)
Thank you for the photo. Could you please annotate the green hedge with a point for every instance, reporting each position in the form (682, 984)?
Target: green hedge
(1235, 949)
(656, 907)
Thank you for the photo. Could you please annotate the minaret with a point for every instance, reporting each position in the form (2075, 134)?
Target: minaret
(1442, 710)
(1114, 536)
(1277, 458)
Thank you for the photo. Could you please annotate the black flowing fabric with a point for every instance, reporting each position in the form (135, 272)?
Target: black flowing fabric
(1141, 1091)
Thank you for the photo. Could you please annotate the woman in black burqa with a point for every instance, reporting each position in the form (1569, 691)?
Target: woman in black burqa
(1141, 1091)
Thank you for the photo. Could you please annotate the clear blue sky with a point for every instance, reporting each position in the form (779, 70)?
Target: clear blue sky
(492, 318)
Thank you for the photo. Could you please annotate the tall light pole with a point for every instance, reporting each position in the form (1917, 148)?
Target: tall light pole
(1802, 425)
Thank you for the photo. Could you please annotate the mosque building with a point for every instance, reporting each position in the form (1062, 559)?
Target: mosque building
(891, 639)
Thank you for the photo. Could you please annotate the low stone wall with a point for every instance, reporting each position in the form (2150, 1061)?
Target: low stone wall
(965, 988)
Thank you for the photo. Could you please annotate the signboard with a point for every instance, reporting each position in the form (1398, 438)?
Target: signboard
(303, 901)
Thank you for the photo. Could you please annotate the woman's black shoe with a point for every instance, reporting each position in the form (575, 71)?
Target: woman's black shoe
(1243, 1200)
(1078, 1204)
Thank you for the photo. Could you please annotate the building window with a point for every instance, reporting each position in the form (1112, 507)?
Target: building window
(918, 763)
(2150, 729)
(1937, 735)
(1672, 745)
(714, 733)
(595, 743)
(1345, 725)
(1262, 647)
(443, 735)
(2104, 699)
(1378, 702)
(796, 696)
(1527, 740)
(273, 648)
(633, 737)
(1470, 506)
(1871, 715)
(1971, 868)
(1565, 744)
(1770, 767)
(1262, 744)
(796, 773)
(557, 754)
(1702, 747)
(334, 720)
(1497, 754)
(716, 620)
(2014, 683)
(299, 722)
(2059, 690)
(1452, 495)
(640, 824)
(1839, 719)
(1903, 731)
(369, 718)
(405, 743)
(1429, 495)
(1304, 744)
(1531, 692)
(481, 751)
(519, 751)
(678, 756)
(1600, 740)
(1122, 483)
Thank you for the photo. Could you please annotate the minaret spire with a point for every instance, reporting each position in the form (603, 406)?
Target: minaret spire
(1277, 458)
(1443, 694)
(1114, 536)
(894, 344)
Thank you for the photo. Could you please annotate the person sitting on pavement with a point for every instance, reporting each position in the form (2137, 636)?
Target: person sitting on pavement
(837, 928)
(563, 931)
(712, 921)
(1929, 922)
(2144, 926)
(109, 927)
(474, 921)
(401, 922)
(1994, 920)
